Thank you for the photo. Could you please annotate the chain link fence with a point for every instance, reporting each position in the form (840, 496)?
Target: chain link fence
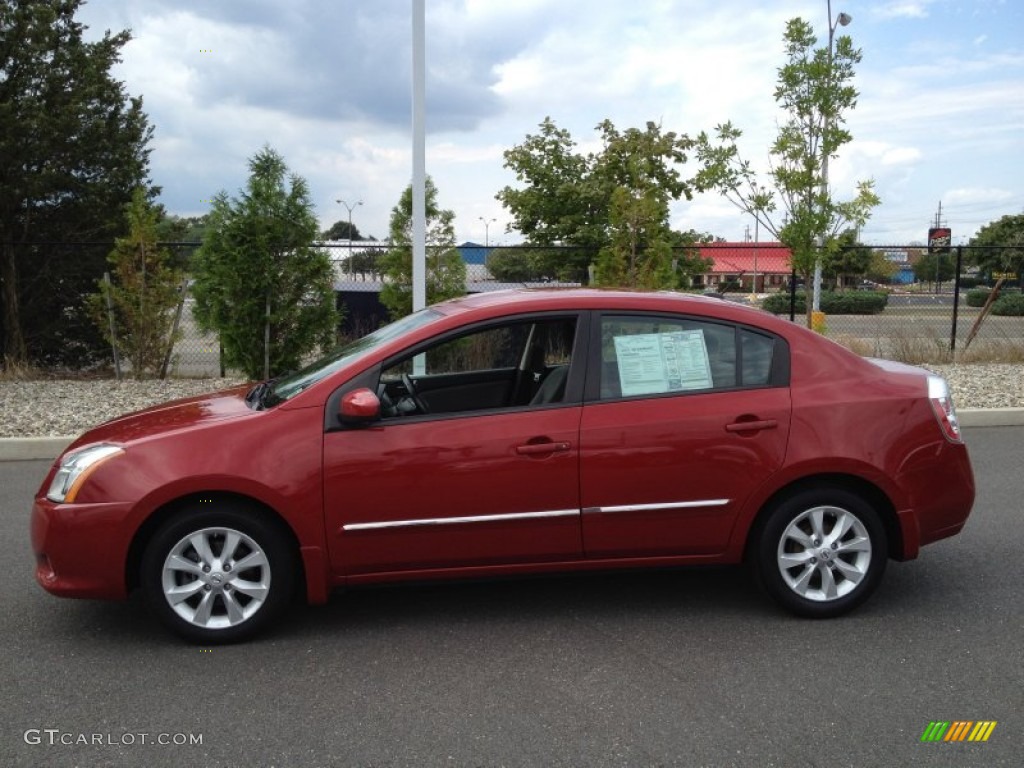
(919, 321)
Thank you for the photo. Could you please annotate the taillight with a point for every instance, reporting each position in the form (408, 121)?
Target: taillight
(942, 405)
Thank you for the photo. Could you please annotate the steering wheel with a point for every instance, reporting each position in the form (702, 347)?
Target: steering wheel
(387, 405)
(410, 390)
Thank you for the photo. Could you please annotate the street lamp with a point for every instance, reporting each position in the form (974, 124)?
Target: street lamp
(487, 230)
(841, 20)
(351, 267)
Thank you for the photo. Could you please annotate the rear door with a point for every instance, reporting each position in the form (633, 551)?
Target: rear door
(684, 419)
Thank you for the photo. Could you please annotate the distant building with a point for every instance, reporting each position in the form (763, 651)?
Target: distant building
(475, 257)
(736, 264)
(903, 259)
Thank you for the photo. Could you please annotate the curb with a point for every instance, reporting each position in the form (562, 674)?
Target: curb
(990, 417)
(49, 448)
(32, 448)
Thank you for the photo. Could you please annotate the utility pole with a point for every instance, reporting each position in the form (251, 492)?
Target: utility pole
(937, 254)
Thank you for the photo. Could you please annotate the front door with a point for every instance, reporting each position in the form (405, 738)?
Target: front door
(461, 472)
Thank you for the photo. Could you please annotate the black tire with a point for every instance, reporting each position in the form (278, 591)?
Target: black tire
(834, 575)
(225, 603)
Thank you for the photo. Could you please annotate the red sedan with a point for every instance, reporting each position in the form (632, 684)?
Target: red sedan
(511, 433)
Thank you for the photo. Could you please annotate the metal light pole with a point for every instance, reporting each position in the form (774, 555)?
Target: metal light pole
(487, 230)
(419, 164)
(351, 268)
(843, 19)
(757, 233)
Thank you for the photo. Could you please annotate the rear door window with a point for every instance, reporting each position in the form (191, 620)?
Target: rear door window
(653, 355)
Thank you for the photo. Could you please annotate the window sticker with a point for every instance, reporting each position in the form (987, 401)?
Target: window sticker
(652, 363)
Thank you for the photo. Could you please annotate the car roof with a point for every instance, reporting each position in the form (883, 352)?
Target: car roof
(551, 299)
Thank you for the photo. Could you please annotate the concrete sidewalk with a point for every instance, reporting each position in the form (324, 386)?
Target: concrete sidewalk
(48, 448)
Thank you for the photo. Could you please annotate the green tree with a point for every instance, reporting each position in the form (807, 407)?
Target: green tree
(534, 263)
(143, 294)
(815, 91)
(555, 205)
(880, 269)
(596, 201)
(640, 252)
(999, 246)
(339, 230)
(73, 147)
(180, 229)
(687, 260)
(259, 282)
(848, 259)
(181, 235)
(445, 269)
(512, 265)
(365, 263)
(934, 268)
(640, 168)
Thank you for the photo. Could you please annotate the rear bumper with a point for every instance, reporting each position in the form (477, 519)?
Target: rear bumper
(78, 550)
(942, 495)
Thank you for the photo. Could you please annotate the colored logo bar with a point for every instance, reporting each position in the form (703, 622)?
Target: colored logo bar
(958, 730)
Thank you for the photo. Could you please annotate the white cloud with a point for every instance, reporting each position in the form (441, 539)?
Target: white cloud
(978, 195)
(329, 90)
(903, 9)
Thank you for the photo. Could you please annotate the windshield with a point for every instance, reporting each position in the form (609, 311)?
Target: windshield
(285, 387)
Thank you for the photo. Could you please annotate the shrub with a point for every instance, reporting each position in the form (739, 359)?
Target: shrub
(845, 303)
(972, 282)
(778, 303)
(1009, 304)
(976, 297)
(854, 302)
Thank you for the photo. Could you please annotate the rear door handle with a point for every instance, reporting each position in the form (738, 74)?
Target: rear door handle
(751, 426)
(534, 449)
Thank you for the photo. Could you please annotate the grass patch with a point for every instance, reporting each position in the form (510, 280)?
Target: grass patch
(18, 372)
(922, 347)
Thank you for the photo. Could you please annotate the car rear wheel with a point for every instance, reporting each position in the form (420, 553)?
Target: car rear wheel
(218, 575)
(821, 552)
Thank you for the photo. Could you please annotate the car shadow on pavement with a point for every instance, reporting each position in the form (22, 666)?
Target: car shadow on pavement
(621, 596)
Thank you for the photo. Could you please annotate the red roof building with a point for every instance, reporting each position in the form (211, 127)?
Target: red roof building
(738, 263)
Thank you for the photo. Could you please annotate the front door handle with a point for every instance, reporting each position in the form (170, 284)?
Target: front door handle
(535, 449)
(751, 426)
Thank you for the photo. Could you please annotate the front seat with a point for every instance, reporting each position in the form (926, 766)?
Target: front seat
(553, 387)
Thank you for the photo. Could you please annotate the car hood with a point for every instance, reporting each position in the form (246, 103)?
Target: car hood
(170, 417)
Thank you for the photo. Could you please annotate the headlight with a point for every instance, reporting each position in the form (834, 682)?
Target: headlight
(75, 467)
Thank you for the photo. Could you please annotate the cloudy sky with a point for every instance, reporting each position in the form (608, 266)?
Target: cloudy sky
(327, 83)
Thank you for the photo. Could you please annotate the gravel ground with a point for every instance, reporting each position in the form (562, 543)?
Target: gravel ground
(64, 407)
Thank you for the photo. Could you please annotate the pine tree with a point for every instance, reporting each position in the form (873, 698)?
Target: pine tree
(259, 282)
(143, 293)
(445, 269)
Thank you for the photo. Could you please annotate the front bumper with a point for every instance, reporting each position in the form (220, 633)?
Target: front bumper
(81, 549)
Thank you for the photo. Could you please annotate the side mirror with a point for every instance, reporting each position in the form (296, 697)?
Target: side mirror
(359, 407)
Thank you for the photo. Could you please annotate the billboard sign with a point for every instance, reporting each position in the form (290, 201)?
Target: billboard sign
(939, 239)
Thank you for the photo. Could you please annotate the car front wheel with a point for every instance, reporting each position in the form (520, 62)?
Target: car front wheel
(821, 552)
(218, 575)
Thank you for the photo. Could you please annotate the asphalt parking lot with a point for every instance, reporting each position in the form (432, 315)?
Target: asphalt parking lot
(685, 667)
